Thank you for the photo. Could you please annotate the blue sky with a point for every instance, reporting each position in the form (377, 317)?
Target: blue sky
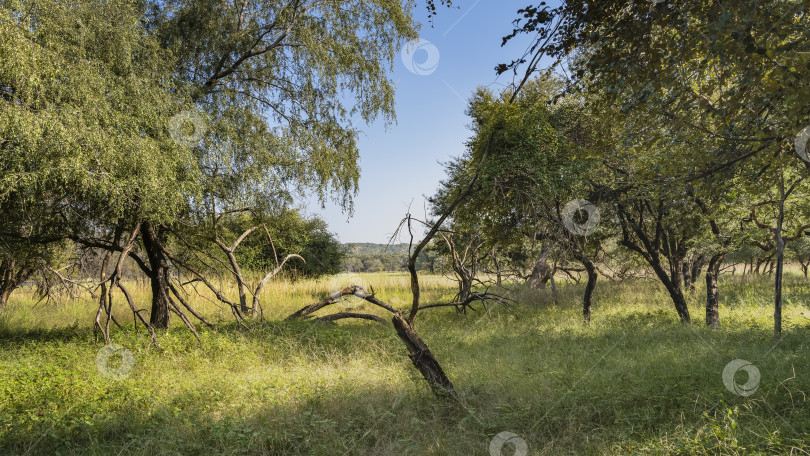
(402, 163)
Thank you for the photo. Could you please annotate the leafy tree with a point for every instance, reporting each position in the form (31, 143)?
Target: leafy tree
(83, 97)
(290, 233)
(279, 83)
(540, 158)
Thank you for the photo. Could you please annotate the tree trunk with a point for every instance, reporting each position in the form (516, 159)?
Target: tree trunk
(663, 245)
(589, 287)
(236, 270)
(554, 294)
(673, 285)
(497, 265)
(423, 359)
(676, 293)
(692, 272)
(780, 257)
(240, 282)
(4, 294)
(713, 291)
(688, 279)
(464, 287)
(10, 279)
(541, 273)
(158, 275)
(7, 284)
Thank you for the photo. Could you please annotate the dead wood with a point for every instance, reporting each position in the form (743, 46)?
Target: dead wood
(341, 315)
(423, 359)
(418, 351)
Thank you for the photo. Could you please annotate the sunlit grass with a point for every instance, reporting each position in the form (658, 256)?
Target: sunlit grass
(634, 382)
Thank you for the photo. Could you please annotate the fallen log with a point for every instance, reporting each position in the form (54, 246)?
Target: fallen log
(335, 297)
(341, 315)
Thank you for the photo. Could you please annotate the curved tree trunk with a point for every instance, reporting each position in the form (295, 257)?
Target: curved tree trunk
(158, 275)
(675, 288)
(589, 287)
(423, 359)
(664, 249)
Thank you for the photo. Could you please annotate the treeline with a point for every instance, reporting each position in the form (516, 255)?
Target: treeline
(369, 257)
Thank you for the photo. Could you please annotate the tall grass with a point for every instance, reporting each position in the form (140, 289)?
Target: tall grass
(634, 382)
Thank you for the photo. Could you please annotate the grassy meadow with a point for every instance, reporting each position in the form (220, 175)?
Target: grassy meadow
(634, 382)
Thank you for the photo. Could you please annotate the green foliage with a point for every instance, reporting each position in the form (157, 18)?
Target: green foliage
(289, 233)
(723, 77)
(534, 154)
(84, 101)
(280, 83)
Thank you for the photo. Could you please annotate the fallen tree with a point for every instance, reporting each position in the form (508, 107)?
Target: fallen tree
(418, 351)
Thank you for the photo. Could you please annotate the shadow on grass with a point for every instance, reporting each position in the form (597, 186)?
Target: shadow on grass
(623, 389)
(631, 383)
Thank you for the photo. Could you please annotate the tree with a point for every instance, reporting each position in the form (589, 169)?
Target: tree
(279, 83)
(270, 91)
(84, 96)
(783, 219)
(541, 157)
(288, 232)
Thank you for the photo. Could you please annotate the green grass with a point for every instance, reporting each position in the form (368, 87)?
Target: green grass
(634, 382)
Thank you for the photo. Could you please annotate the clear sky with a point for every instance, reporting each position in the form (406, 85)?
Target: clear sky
(402, 164)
